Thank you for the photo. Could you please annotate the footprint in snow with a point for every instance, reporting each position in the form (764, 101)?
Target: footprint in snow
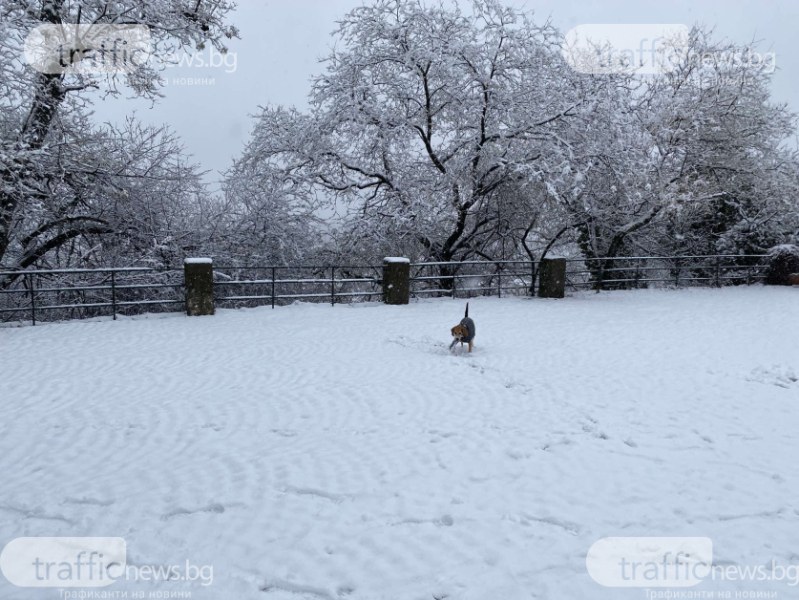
(178, 512)
(425, 344)
(778, 375)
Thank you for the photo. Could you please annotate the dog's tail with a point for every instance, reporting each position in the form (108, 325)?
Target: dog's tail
(466, 316)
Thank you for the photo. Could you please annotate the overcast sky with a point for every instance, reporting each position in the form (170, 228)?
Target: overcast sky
(282, 42)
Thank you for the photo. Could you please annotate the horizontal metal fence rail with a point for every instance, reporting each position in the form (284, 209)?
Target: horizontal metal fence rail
(475, 278)
(470, 278)
(632, 272)
(240, 287)
(59, 294)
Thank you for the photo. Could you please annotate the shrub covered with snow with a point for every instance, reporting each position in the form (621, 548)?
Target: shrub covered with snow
(783, 262)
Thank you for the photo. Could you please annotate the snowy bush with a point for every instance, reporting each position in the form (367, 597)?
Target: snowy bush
(783, 261)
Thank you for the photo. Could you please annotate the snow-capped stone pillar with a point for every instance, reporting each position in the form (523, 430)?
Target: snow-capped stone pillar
(552, 282)
(199, 282)
(396, 280)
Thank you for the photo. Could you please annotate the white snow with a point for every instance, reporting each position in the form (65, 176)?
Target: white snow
(785, 248)
(396, 259)
(198, 261)
(342, 452)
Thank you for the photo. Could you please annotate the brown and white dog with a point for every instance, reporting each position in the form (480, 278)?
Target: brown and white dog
(464, 331)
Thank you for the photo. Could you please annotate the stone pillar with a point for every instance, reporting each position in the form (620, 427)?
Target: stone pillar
(396, 280)
(552, 278)
(199, 282)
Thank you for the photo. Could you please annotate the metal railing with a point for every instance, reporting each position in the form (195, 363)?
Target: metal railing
(59, 294)
(46, 295)
(632, 272)
(480, 278)
(240, 287)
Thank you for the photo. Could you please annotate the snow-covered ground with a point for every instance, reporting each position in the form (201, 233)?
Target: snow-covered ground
(318, 452)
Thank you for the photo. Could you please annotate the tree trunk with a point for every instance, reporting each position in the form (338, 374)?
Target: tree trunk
(49, 96)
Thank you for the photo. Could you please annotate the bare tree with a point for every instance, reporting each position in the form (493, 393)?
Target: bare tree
(449, 135)
(36, 100)
(694, 152)
(423, 113)
(128, 195)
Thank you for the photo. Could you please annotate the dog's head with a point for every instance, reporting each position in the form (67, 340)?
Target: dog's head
(459, 332)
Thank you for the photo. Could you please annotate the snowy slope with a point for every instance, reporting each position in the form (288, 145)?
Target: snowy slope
(318, 452)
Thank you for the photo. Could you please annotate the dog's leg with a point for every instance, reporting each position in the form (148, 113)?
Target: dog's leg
(471, 345)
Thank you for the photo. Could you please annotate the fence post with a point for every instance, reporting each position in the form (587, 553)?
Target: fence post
(114, 294)
(198, 276)
(718, 271)
(499, 280)
(678, 264)
(332, 286)
(552, 278)
(396, 280)
(273, 287)
(33, 299)
(638, 274)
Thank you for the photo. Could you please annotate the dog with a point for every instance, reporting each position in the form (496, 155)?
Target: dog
(464, 331)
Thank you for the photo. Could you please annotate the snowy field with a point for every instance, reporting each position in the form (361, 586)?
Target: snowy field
(312, 452)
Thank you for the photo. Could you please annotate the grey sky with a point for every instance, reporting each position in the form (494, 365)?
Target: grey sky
(282, 41)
